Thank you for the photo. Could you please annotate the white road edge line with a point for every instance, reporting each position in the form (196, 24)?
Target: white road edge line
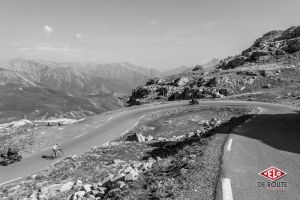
(80, 135)
(248, 120)
(143, 116)
(102, 122)
(11, 181)
(226, 189)
(99, 125)
(229, 145)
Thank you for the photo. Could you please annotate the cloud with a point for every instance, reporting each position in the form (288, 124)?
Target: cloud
(64, 48)
(150, 23)
(78, 36)
(48, 30)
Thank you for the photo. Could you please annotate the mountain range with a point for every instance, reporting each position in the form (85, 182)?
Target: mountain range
(31, 88)
(41, 89)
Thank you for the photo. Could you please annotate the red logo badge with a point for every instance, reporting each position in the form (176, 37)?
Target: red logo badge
(272, 173)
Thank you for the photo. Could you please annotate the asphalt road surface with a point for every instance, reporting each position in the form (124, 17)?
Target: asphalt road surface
(271, 138)
(268, 139)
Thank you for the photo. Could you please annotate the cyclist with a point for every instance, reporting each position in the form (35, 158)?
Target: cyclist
(55, 149)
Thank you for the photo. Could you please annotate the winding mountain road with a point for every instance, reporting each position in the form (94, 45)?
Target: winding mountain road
(268, 139)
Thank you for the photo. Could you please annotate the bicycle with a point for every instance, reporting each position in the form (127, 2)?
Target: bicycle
(59, 153)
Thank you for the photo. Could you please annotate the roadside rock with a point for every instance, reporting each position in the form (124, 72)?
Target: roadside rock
(136, 137)
(120, 184)
(50, 189)
(66, 187)
(105, 179)
(183, 80)
(149, 138)
(132, 175)
(77, 195)
(87, 187)
(266, 73)
(77, 185)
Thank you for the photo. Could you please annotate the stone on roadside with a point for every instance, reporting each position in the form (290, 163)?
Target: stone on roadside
(149, 138)
(120, 184)
(50, 189)
(136, 137)
(87, 187)
(77, 185)
(118, 176)
(132, 175)
(191, 134)
(66, 187)
(77, 195)
(105, 179)
(89, 196)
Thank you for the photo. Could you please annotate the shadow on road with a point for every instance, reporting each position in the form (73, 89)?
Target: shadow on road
(280, 131)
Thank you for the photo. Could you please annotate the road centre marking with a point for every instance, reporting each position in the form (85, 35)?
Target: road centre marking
(80, 135)
(229, 145)
(226, 189)
(99, 125)
(11, 181)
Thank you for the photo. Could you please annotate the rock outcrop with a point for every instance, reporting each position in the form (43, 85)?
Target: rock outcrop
(272, 46)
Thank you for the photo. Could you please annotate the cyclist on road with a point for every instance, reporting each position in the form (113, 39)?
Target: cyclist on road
(55, 149)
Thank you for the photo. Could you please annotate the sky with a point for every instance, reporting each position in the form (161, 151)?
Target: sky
(160, 34)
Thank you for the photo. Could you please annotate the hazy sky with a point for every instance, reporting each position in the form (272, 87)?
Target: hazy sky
(161, 34)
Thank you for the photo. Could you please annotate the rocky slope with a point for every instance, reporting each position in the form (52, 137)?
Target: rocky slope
(274, 46)
(184, 69)
(269, 66)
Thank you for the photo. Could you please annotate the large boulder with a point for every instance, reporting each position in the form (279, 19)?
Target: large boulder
(255, 55)
(105, 180)
(197, 68)
(183, 81)
(50, 189)
(66, 187)
(266, 73)
(290, 33)
(233, 62)
(292, 45)
(132, 175)
(224, 91)
(140, 92)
